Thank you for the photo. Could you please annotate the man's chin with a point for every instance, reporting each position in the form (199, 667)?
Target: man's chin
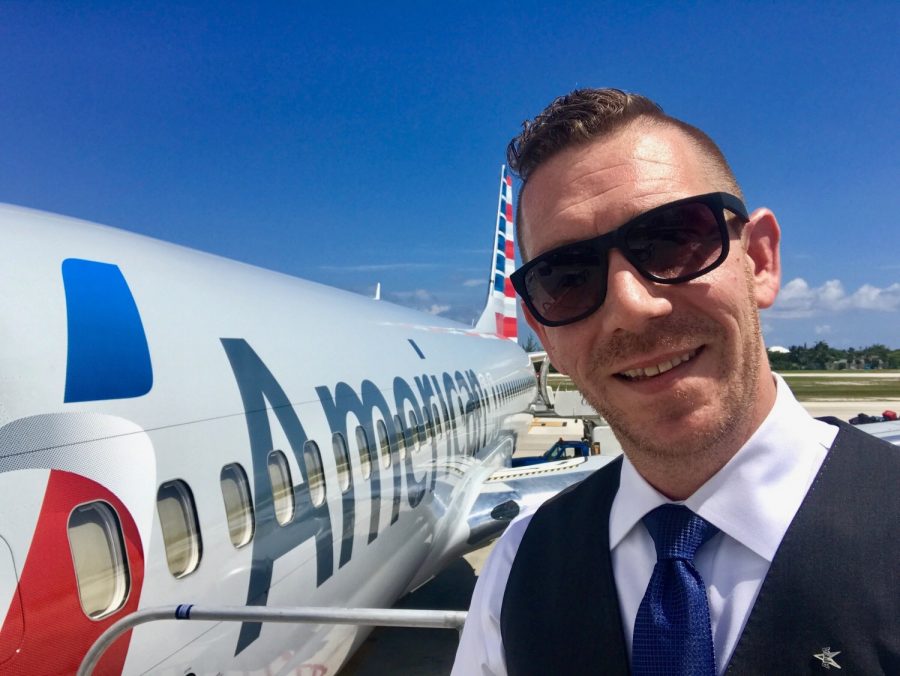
(674, 436)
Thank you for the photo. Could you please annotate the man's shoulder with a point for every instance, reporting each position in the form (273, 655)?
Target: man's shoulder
(569, 501)
(861, 474)
(590, 498)
(604, 482)
(850, 436)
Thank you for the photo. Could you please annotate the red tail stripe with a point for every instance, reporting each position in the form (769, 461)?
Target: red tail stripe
(510, 327)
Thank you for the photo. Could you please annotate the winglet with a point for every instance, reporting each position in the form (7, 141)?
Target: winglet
(499, 315)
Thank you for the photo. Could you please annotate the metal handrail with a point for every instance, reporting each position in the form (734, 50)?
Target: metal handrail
(385, 617)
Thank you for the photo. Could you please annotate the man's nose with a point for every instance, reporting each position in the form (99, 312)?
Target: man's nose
(631, 300)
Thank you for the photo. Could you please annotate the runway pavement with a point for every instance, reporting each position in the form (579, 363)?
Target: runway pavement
(430, 652)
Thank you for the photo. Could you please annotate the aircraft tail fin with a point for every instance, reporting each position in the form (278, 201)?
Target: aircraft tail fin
(499, 314)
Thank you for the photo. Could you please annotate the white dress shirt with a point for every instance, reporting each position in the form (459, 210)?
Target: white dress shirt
(751, 500)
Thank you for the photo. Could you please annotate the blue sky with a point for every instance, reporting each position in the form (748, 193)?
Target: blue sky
(355, 143)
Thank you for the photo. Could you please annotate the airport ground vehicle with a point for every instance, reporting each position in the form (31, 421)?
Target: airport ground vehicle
(561, 450)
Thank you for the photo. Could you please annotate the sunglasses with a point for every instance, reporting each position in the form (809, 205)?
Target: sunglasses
(671, 244)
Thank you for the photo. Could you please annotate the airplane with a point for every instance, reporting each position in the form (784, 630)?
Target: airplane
(178, 428)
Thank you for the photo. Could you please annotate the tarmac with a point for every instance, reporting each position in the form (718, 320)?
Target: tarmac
(430, 652)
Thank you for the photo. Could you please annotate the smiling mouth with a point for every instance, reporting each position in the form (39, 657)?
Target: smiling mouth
(655, 370)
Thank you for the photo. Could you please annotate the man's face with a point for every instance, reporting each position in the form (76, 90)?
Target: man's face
(675, 369)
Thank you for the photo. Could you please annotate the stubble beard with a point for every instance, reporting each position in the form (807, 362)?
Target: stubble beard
(726, 424)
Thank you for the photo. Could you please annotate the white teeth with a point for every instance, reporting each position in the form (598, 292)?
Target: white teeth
(650, 371)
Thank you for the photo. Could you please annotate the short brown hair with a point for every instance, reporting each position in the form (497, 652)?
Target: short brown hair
(585, 115)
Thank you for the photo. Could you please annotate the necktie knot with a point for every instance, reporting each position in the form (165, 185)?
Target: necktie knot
(677, 532)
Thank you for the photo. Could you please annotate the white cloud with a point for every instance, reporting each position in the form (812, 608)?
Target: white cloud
(378, 267)
(421, 300)
(798, 299)
(474, 282)
(823, 329)
(416, 295)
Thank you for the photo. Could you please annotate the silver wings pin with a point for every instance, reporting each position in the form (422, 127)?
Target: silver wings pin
(827, 658)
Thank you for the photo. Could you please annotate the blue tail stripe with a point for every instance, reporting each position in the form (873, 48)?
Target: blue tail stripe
(498, 282)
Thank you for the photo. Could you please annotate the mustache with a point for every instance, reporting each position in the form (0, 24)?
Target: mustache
(670, 333)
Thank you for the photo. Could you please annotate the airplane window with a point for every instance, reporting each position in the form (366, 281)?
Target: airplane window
(402, 441)
(181, 531)
(282, 487)
(312, 458)
(449, 413)
(384, 444)
(417, 429)
(449, 423)
(342, 458)
(238, 506)
(365, 453)
(482, 383)
(437, 421)
(422, 427)
(98, 553)
(429, 426)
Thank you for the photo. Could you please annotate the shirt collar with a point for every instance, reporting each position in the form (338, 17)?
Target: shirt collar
(755, 496)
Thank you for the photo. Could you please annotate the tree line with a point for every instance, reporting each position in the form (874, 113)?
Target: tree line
(819, 357)
(822, 356)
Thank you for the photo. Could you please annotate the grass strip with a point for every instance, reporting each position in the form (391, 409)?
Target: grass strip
(817, 387)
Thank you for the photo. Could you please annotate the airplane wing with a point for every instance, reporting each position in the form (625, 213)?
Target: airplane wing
(510, 492)
(492, 496)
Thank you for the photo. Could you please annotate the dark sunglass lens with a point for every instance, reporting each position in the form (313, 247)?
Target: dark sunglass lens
(567, 284)
(676, 242)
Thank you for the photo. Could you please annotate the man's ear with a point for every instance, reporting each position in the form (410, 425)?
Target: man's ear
(761, 237)
(541, 332)
(535, 325)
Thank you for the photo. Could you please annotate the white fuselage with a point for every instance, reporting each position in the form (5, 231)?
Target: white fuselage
(243, 363)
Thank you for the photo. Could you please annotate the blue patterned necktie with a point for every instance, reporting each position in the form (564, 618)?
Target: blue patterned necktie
(672, 634)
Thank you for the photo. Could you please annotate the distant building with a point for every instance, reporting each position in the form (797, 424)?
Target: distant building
(779, 350)
(861, 363)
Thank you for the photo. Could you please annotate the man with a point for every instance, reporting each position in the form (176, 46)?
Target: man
(736, 532)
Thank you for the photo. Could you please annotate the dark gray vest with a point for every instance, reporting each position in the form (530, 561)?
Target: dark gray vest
(834, 582)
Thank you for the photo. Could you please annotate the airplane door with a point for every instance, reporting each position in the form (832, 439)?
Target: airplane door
(71, 561)
(10, 605)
